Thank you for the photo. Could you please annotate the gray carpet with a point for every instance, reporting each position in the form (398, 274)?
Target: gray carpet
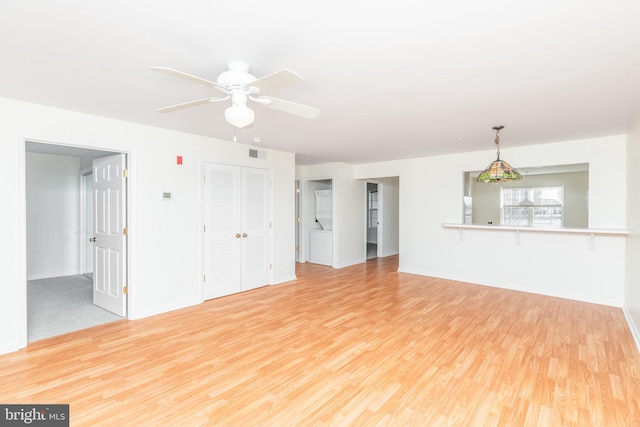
(59, 305)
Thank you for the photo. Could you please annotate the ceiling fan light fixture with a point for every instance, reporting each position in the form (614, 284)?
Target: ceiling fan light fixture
(499, 170)
(239, 115)
(240, 85)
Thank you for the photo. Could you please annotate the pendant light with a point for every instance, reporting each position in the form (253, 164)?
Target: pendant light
(499, 170)
(526, 203)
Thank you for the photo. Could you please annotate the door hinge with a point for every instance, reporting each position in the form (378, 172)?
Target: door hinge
(298, 248)
(298, 219)
(125, 290)
(204, 228)
(125, 173)
(270, 266)
(270, 226)
(125, 231)
(204, 178)
(204, 278)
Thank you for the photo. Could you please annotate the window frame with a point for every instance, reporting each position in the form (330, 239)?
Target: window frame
(530, 209)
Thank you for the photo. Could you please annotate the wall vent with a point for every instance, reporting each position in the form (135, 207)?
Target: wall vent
(257, 154)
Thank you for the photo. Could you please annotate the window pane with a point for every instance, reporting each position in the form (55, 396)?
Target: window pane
(547, 216)
(547, 195)
(540, 206)
(515, 216)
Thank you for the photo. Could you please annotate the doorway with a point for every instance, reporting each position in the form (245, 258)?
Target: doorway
(316, 232)
(373, 220)
(59, 223)
(382, 217)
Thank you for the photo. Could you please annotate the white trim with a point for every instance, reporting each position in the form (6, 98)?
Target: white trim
(610, 231)
(21, 322)
(350, 263)
(532, 290)
(632, 326)
(284, 279)
(83, 219)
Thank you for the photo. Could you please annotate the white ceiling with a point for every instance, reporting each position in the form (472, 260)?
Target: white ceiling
(393, 79)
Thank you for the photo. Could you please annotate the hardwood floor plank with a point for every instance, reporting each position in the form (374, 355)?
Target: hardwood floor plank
(363, 345)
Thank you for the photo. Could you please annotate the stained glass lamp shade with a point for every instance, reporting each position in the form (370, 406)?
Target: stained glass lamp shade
(499, 170)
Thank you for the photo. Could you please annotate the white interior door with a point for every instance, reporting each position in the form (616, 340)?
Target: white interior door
(236, 254)
(109, 261)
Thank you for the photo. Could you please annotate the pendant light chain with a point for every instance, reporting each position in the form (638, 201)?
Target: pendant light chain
(497, 140)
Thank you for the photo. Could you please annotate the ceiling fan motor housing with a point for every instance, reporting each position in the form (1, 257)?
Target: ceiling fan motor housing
(237, 75)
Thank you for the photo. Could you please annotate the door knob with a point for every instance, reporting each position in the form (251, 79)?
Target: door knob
(244, 234)
(92, 239)
(237, 235)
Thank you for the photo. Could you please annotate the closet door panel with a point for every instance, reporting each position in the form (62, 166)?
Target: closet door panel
(222, 242)
(256, 226)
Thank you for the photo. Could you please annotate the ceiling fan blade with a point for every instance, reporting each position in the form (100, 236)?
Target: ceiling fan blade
(200, 80)
(289, 107)
(276, 80)
(176, 107)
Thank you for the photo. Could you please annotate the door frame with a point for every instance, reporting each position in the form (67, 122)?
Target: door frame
(21, 299)
(380, 228)
(306, 194)
(84, 173)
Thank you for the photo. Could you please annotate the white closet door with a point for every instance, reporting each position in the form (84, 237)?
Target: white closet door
(237, 229)
(222, 241)
(255, 228)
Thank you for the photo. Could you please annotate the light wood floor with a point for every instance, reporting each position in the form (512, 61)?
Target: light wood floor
(362, 345)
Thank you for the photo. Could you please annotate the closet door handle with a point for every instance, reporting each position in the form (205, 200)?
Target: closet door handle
(244, 234)
(92, 239)
(237, 235)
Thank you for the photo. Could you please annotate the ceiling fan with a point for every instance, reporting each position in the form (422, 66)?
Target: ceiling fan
(239, 85)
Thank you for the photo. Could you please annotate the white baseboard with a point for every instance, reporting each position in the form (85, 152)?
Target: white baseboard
(148, 312)
(350, 263)
(565, 295)
(51, 275)
(283, 279)
(632, 327)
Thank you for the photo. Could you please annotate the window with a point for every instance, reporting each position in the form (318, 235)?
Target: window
(531, 206)
(373, 209)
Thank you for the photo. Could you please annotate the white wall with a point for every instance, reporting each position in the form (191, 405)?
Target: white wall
(53, 219)
(165, 237)
(547, 263)
(632, 288)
